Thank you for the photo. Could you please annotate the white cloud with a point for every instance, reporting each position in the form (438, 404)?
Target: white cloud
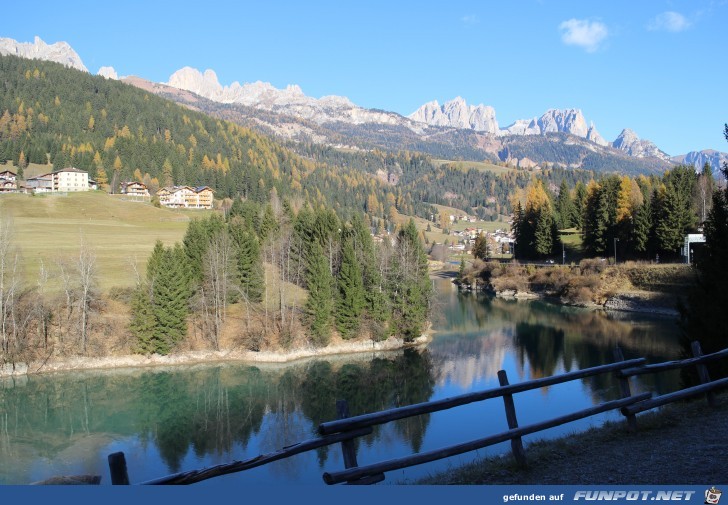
(470, 19)
(669, 21)
(583, 33)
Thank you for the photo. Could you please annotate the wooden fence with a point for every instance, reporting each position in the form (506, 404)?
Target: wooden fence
(345, 429)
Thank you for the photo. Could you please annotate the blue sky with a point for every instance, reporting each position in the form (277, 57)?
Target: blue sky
(658, 67)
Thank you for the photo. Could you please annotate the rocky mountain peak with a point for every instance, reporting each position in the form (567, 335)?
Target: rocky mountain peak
(59, 52)
(629, 142)
(457, 113)
(593, 135)
(290, 100)
(190, 79)
(564, 120)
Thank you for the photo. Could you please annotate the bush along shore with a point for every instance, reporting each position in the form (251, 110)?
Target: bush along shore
(635, 287)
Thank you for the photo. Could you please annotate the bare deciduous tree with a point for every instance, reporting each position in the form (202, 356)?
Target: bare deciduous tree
(86, 271)
(43, 314)
(217, 283)
(9, 285)
(65, 274)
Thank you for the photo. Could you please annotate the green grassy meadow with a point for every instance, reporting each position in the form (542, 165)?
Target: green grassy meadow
(120, 231)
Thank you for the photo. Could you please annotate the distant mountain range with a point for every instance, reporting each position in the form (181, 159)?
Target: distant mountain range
(454, 130)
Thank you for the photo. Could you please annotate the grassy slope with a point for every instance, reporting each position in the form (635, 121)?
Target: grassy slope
(120, 231)
(477, 165)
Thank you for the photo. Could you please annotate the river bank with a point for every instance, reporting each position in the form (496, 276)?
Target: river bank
(72, 363)
(630, 287)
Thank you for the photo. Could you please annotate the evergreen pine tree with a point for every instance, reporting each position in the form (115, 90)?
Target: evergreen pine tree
(268, 225)
(564, 208)
(640, 233)
(319, 305)
(350, 299)
(522, 234)
(168, 275)
(579, 202)
(544, 232)
(142, 322)
(250, 265)
(667, 231)
(374, 291)
(197, 240)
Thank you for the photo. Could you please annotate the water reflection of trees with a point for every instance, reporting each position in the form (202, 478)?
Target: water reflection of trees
(381, 384)
(547, 338)
(210, 410)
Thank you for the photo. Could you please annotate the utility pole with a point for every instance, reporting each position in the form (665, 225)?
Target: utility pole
(563, 254)
(615, 249)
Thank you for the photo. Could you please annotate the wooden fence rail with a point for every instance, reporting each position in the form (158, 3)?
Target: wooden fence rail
(345, 429)
(426, 457)
(464, 399)
(238, 466)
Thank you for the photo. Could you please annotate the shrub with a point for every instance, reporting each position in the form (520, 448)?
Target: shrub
(593, 265)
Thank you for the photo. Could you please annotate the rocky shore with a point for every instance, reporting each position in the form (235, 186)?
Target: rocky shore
(646, 303)
(642, 302)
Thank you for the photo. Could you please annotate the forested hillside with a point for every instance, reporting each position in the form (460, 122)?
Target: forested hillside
(49, 113)
(293, 258)
(117, 132)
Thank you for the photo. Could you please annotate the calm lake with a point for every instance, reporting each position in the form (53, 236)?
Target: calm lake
(189, 417)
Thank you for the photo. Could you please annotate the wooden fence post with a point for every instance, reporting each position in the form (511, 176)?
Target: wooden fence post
(349, 449)
(625, 389)
(117, 467)
(703, 371)
(516, 443)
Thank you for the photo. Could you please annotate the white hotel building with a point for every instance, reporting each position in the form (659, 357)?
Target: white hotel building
(65, 180)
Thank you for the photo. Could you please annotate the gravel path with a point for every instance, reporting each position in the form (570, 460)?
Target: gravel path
(684, 444)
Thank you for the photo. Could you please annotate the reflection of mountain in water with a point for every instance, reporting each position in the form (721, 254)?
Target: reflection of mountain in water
(468, 360)
(477, 332)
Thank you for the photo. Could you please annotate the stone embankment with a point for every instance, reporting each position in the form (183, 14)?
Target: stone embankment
(56, 364)
(636, 302)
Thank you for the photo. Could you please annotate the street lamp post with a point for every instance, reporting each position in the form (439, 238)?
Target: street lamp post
(615, 249)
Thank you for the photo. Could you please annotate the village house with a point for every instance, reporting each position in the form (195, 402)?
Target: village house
(40, 184)
(186, 197)
(8, 182)
(65, 180)
(134, 188)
